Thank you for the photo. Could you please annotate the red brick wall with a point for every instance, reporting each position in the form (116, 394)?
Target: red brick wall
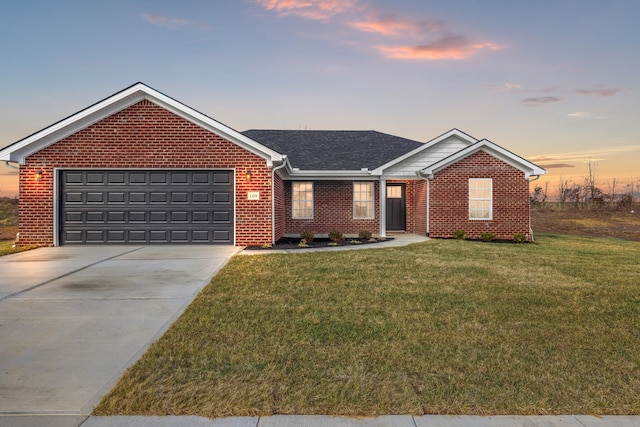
(449, 199)
(419, 216)
(332, 210)
(279, 209)
(144, 136)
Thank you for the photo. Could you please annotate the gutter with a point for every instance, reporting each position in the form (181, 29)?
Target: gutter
(9, 165)
(273, 200)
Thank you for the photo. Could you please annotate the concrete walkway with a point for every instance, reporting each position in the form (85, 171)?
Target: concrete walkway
(399, 239)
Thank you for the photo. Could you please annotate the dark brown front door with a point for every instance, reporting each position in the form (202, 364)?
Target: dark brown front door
(396, 207)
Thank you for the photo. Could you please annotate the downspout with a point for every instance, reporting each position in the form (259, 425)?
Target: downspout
(531, 229)
(419, 174)
(273, 200)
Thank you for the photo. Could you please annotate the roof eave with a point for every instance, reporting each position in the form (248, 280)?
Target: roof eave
(295, 173)
(19, 150)
(528, 168)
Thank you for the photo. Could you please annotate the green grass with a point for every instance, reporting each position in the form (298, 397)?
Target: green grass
(6, 247)
(445, 326)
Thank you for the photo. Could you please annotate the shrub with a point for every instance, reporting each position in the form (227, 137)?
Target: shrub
(459, 234)
(364, 234)
(488, 236)
(307, 236)
(336, 236)
(519, 238)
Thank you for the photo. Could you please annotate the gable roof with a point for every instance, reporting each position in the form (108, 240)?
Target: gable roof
(453, 132)
(334, 150)
(529, 169)
(18, 151)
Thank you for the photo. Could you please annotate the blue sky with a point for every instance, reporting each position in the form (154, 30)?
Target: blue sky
(555, 81)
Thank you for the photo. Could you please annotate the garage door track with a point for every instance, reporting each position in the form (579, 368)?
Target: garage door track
(73, 318)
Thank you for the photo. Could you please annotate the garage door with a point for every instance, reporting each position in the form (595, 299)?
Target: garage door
(154, 206)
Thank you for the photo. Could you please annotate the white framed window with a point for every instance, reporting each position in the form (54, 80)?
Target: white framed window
(480, 198)
(363, 204)
(302, 195)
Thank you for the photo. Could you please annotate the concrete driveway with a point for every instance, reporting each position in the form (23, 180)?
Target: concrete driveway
(72, 319)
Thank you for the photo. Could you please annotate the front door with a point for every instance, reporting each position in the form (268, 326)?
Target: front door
(396, 207)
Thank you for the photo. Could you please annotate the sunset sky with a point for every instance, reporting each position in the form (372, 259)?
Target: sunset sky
(555, 81)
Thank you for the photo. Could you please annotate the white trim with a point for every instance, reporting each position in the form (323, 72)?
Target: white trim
(492, 149)
(56, 207)
(480, 199)
(373, 200)
(18, 151)
(383, 207)
(453, 132)
(293, 193)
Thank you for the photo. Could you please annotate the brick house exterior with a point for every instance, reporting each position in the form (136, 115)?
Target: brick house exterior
(449, 210)
(72, 188)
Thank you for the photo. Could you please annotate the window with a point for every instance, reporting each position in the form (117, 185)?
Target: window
(480, 198)
(302, 200)
(363, 200)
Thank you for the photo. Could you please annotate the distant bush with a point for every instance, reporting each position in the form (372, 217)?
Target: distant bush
(8, 211)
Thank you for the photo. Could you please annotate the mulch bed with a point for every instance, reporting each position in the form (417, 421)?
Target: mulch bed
(292, 243)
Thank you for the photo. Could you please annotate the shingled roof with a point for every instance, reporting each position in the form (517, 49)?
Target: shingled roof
(334, 149)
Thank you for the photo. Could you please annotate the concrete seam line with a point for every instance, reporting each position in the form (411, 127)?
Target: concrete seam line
(6, 297)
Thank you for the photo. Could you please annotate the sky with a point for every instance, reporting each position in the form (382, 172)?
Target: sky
(555, 81)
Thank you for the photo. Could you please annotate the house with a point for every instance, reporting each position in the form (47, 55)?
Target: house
(140, 167)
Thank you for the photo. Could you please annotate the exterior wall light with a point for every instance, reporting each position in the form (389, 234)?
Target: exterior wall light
(248, 176)
(38, 175)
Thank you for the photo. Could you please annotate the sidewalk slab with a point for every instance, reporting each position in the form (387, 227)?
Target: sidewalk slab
(42, 420)
(610, 420)
(521, 421)
(170, 421)
(326, 420)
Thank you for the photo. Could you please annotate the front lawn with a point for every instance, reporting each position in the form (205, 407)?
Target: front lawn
(444, 326)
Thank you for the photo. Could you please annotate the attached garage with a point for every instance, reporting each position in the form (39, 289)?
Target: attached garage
(146, 206)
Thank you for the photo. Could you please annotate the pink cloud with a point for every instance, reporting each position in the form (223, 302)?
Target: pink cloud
(448, 47)
(366, 18)
(393, 26)
(311, 9)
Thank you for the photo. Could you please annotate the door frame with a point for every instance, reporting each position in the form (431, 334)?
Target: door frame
(403, 205)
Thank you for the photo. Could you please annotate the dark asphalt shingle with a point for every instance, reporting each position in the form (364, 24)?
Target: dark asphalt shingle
(334, 149)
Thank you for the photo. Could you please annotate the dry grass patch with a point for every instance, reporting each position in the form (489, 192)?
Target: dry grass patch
(6, 247)
(440, 327)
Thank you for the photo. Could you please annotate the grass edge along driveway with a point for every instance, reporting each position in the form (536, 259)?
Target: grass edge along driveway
(441, 327)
